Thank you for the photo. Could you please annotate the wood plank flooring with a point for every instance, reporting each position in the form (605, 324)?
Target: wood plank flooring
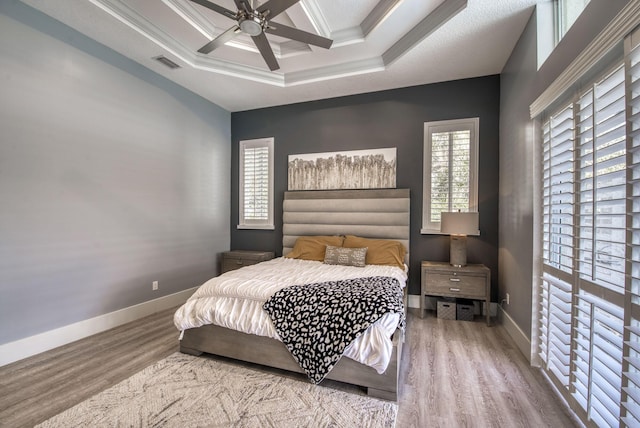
(453, 374)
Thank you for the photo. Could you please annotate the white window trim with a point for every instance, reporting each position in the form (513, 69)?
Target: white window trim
(253, 224)
(428, 227)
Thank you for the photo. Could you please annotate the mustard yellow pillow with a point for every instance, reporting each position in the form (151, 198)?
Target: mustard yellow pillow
(313, 247)
(379, 251)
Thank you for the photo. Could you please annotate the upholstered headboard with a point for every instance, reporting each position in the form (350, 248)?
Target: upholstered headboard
(371, 213)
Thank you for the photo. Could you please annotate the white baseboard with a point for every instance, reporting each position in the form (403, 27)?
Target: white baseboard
(29, 346)
(414, 301)
(519, 337)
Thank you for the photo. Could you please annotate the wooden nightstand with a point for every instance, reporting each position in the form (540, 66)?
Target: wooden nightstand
(468, 282)
(238, 258)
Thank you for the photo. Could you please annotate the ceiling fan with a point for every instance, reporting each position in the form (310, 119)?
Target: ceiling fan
(255, 22)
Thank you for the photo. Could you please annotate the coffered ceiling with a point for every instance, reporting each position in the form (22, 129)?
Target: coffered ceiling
(377, 44)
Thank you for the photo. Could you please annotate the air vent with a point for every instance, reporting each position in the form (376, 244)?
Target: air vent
(166, 61)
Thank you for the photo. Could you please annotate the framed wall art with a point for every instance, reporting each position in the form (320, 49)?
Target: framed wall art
(355, 169)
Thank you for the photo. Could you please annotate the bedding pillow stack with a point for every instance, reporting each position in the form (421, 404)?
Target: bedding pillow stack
(379, 251)
(349, 250)
(313, 247)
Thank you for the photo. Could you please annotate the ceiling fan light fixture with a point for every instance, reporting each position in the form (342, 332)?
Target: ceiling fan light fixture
(256, 22)
(252, 27)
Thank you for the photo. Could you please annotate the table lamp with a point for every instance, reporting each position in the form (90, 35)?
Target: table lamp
(459, 225)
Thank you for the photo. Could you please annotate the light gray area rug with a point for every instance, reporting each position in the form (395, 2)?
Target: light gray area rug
(186, 391)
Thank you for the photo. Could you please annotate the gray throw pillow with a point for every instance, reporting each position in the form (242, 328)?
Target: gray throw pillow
(345, 256)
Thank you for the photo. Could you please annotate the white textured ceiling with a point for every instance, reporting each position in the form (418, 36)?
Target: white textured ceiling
(420, 42)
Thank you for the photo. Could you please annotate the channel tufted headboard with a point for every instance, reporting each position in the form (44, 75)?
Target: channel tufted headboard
(371, 213)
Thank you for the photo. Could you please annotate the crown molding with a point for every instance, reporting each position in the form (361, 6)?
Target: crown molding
(190, 14)
(132, 19)
(329, 72)
(380, 12)
(436, 19)
(319, 22)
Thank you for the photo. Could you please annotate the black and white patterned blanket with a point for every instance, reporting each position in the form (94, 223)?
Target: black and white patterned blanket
(318, 321)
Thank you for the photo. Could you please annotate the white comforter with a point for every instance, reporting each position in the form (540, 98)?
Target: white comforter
(234, 300)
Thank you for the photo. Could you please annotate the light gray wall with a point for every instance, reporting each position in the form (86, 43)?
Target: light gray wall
(521, 83)
(111, 177)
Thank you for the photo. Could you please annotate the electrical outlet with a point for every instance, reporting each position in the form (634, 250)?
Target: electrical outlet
(507, 298)
(154, 286)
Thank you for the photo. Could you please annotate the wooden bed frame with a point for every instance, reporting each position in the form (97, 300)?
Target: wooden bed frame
(379, 213)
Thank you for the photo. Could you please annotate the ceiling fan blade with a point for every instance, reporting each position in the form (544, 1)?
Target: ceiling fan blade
(299, 35)
(265, 50)
(214, 7)
(276, 7)
(220, 40)
(243, 5)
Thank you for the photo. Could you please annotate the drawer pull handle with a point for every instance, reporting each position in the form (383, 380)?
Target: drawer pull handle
(454, 279)
(454, 289)
(238, 262)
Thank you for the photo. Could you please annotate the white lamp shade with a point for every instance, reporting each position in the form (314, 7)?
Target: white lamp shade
(457, 223)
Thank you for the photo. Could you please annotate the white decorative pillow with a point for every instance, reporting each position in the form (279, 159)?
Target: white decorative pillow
(345, 256)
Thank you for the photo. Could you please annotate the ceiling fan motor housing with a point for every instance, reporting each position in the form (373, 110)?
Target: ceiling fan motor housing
(251, 23)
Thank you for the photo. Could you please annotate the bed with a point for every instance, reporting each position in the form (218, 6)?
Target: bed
(380, 214)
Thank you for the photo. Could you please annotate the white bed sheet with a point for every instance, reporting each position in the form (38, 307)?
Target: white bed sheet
(234, 300)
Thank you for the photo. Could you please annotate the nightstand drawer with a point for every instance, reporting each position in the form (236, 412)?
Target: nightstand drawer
(467, 285)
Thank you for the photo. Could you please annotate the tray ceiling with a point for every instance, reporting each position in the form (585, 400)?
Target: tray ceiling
(377, 44)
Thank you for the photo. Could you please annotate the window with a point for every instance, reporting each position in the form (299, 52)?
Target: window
(588, 326)
(450, 179)
(256, 184)
(566, 13)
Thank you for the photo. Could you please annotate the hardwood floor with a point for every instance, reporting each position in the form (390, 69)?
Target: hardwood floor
(466, 374)
(453, 374)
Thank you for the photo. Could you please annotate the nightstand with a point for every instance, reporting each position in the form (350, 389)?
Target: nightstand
(238, 258)
(468, 282)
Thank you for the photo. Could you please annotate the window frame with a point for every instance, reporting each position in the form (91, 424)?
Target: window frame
(560, 27)
(471, 124)
(267, 223)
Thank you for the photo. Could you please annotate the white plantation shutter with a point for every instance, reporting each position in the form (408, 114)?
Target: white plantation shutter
(581, 315)
(598, 358)
(631, 388)
(631, 364)
(256, 184)
(558, 191)
(450, 169)
(602, 148)
(556, 327)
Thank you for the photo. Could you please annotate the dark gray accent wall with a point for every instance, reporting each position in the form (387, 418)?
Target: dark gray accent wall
(521, 84)
(393, 118)
(111, 177)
